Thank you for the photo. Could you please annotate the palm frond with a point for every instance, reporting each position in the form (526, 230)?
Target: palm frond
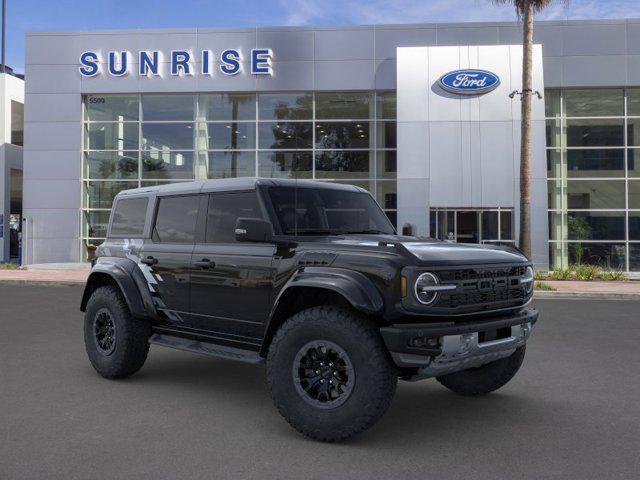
(519, 5)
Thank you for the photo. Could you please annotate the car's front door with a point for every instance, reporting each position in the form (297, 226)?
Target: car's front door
(231, 282)
(167, 255)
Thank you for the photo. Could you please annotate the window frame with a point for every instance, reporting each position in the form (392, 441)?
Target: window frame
(112, 216)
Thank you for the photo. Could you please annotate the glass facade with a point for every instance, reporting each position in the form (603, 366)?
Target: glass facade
(593, 184)
(139, 140)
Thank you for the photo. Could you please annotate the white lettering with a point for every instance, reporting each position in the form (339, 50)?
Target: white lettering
(469, 80)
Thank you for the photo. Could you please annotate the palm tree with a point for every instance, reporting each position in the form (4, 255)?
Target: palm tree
(525, 10)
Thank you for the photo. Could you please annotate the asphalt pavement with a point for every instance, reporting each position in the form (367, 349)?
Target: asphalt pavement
(572, 412)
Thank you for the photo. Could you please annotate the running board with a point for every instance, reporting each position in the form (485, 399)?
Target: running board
(205, 348)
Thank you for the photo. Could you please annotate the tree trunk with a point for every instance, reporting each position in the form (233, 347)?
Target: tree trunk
(525, 147)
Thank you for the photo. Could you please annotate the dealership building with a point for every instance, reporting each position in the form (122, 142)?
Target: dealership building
(375, 106)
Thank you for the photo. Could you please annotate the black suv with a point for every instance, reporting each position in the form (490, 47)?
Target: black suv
(312, 279)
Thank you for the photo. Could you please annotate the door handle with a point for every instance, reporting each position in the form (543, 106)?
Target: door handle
(149, 260)
(205, 263)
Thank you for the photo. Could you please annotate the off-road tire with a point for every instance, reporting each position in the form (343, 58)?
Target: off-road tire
(374, 372)
(484, 379)
(131, 335)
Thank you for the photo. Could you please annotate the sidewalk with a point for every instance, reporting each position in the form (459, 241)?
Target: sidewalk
(39, 276)
(629, 290)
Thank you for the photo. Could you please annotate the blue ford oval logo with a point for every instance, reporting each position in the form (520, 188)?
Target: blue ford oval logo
(469, 82)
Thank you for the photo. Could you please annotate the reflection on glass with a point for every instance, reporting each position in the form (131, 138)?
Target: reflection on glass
(556, 228)
(633, 162)
(161, 164)
(332, 135)
(344, 164)
(168, 136)
(387, 164)
(168, 107)
(506, 225)
(595, 133)
(595, 194)
(634, 194)
(634, 257)
(633, 101)
(599, 102)
(347, 105)
(633, 132)
(289, 135)
(285, 106)
(95, 223)
(227, 106)
(110, 165)
(558, 255)
(554, 164)
(111, 136)
(101, 194)
(596, 226)
(90, 247)
(285, 164)
(111, 108)
(555, 199)
(386, 136)
(446, 225)
(386, 105)
(227, 136)
(610, 256)
(387, 194)
(554, 133)
(552, 102)
(489, 225)
(228, 164)
(634, 225)
(595, 163)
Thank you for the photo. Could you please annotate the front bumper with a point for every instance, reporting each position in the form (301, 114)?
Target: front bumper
(434, 349)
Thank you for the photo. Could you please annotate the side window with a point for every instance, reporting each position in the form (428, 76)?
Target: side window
(176, 219)
(224, 211)
(128, 217)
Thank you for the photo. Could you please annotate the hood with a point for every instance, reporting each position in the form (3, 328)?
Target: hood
(444, 253)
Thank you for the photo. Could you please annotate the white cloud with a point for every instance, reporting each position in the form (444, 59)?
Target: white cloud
(303, 12)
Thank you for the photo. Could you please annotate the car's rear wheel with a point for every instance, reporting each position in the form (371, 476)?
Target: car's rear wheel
(329, 374)
(117, 344)
(487, 378)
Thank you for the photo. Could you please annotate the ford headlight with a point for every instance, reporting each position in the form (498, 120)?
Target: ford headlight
(527, 280)
(426, 288)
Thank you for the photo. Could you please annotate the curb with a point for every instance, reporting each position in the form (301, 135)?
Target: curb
(41, 283)
(546, 295)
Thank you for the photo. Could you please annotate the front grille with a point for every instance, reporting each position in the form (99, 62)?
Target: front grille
(449, 276)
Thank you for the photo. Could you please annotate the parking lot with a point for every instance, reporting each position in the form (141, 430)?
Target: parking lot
(573, 411)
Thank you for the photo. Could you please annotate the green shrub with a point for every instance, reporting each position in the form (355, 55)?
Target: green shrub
(587, 272)
(612, 275)
(537, 275)
(544, 286)
(9, 266)
(562, 274)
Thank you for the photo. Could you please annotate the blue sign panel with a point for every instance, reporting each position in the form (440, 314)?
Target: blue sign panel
(469, 82)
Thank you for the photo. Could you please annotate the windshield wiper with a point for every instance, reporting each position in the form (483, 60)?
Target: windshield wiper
(313, 231)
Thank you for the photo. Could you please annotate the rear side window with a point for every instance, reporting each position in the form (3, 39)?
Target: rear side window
(128, 217)
(176, 219)
(224, 211)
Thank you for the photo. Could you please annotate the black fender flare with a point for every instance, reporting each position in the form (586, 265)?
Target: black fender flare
(130, 280)
(354, 287)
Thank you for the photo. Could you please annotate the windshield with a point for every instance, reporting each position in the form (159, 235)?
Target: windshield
(319, 211)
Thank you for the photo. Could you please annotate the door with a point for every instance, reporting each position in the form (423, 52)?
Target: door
(231, 281)
(168, 254)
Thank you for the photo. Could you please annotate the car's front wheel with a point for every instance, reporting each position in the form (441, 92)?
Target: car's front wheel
(117, 344)
(329, 374)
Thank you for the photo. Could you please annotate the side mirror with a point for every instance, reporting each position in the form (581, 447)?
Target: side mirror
(253, 230)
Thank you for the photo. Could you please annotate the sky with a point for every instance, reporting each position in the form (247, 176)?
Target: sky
(26, 15)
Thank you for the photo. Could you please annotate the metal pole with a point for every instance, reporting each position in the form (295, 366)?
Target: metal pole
(4, 7)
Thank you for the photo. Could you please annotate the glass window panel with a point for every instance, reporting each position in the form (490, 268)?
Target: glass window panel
(386, 136)
(634, 225)
(633, 101)
(285, 106)
(633, 132)
(595, 194)
(289, 135)
(155, 183)
(285, 164)
(224, 211)
(129, 216)
(599, 102)
(556, 230)
(343, 135)
(227, 106)
(168, 107)
(558, 255)
(111, 136)
(227, 136)
(228, 164)
(17, 123)
(387, 164)
(634, 257)
(176, 219)
(554, 163)
(595, 133)
(555, 199)
(386, 105)
(349, 105)
(595, 163)
(506, 225)
(596, 226)
(101, 194)
(611, 256)
(111, 108)
(489, 225)
(554, 133)
(447, 225)
(633, 162)
(167, 136)
(552, 103)
(161, 164)
(387, 194)
(95, 223)
(392, 215)
(110, 165)
(344, 164)
(634, 194)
